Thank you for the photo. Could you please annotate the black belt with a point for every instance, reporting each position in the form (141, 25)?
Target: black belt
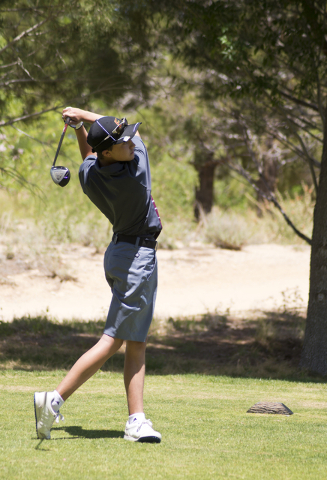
(137, 241)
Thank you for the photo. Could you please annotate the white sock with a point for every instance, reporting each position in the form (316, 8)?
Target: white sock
(57, 401)
(136, 417)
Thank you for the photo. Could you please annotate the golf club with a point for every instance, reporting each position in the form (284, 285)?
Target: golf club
(60, 175)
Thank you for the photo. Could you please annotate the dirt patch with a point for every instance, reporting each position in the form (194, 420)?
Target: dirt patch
(192, 281)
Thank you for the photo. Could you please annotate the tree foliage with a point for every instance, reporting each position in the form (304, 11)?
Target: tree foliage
(66, 51)
(57, 53)
(272, 52)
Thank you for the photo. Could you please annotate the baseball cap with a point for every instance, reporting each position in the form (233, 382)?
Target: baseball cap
(107, 131)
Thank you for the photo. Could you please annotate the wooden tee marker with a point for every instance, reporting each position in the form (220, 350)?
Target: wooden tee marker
(270, 407)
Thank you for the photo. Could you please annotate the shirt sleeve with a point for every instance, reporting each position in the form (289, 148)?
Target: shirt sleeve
(85, 168)
(141, 158)
(140, 148)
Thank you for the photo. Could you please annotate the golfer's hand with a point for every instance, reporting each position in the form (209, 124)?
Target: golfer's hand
(76, 115)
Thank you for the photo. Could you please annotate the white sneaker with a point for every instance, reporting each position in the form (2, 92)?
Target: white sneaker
(141, 432)
(44, 415)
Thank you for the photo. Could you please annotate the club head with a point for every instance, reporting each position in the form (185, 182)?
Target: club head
(60, 175)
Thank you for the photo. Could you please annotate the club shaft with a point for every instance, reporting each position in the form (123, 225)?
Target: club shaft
(61, 140)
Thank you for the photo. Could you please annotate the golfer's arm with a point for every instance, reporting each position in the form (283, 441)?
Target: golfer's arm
(77, 115)
(84, 147)
(90, 117)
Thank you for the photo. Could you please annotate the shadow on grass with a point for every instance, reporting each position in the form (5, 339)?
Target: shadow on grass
(79, 432)
(268, 346)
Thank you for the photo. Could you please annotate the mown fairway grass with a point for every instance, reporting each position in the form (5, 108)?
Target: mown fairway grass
(206, 431)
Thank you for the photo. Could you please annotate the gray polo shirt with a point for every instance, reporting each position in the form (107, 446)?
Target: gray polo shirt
(122, 192)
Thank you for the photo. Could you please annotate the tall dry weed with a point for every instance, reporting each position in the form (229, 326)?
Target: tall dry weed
(234, 229)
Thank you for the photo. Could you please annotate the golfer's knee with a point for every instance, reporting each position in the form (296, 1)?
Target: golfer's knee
(109, 345)
(135, 346)
(135, 349)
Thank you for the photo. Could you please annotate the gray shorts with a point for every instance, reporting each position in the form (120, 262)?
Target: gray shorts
(133, 277)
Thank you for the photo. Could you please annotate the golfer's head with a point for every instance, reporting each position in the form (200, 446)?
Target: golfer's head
(108, 131)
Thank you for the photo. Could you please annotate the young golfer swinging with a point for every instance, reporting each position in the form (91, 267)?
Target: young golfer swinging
(115, 175)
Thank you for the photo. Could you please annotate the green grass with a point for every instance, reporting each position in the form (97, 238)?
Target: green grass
(206, 431)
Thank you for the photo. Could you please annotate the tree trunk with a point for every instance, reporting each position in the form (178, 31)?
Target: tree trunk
(314, 354)
(268, 182)
(204, 194)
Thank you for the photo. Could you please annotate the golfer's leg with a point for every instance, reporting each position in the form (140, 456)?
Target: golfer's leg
(88, 364)
(134, 371)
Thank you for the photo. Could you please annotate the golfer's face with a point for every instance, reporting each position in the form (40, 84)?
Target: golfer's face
(123, 152)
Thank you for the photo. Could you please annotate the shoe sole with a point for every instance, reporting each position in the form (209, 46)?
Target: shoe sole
(150, 439)
(37, 409)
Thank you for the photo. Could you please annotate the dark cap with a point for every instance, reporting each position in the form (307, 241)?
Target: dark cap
(102, 134)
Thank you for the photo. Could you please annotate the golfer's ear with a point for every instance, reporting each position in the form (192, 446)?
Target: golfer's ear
(107, 153)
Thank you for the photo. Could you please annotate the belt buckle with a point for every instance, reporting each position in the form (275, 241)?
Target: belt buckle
(115, 238)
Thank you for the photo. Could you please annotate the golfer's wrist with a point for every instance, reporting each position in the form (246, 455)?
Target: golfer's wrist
(81, 132)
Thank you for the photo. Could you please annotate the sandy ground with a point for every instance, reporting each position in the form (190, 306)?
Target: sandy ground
(192, 281)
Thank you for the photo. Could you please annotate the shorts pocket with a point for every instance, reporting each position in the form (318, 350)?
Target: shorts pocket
(150, 262)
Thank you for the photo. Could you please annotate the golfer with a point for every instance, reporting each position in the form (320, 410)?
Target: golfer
(115, 175)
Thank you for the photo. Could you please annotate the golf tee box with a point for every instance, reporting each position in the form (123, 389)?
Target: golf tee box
(270, 407)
